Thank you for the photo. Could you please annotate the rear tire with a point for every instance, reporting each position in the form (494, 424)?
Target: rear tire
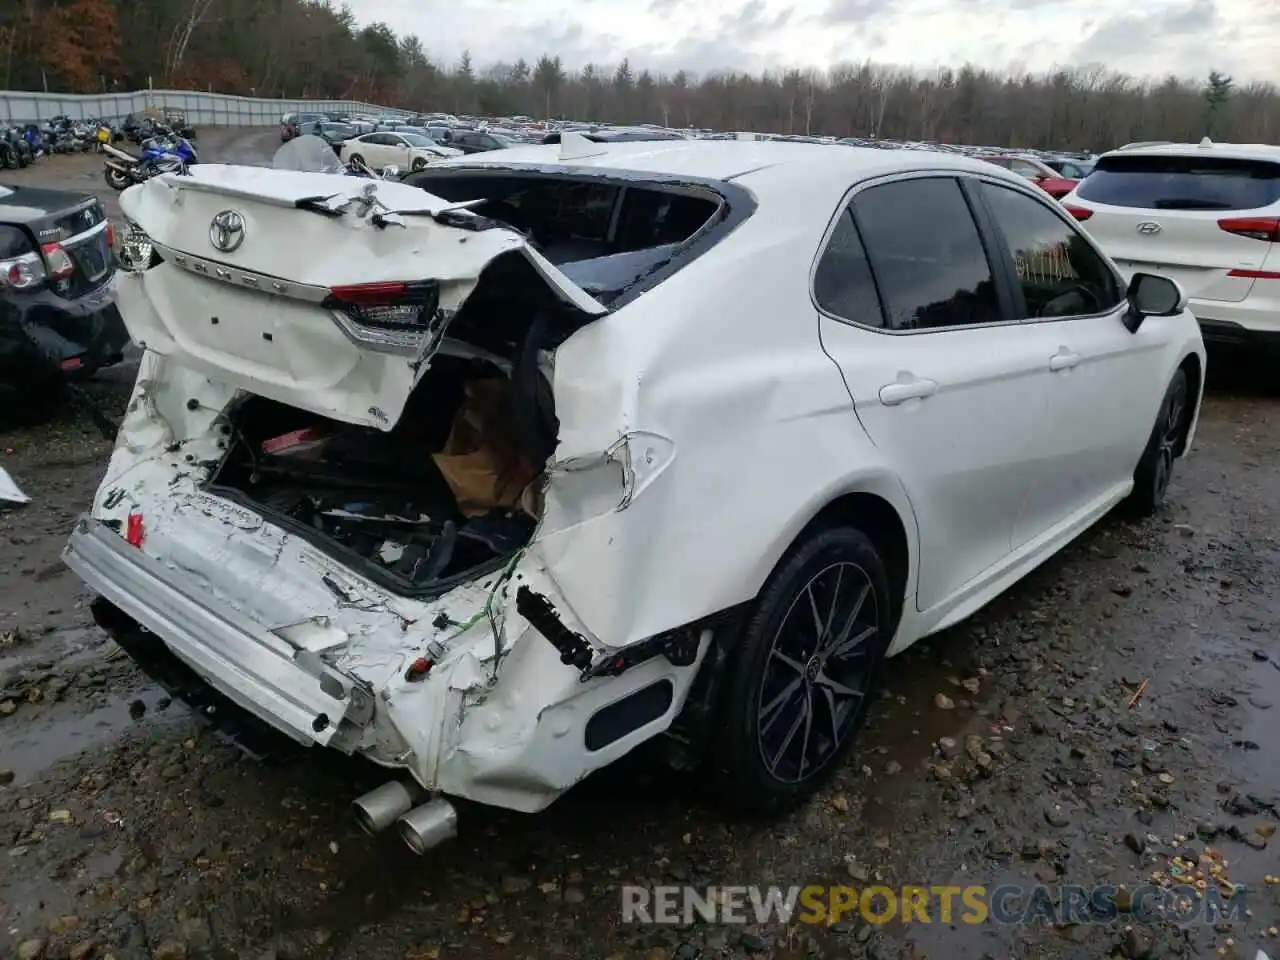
(418, 164)
(1155, 469)
(804, 672)
(356, 158)
(115, 179)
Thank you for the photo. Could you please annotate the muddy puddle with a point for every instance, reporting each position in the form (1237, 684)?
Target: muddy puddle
(69, 692)
(59, 731)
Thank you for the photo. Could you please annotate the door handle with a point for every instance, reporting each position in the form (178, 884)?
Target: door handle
(1064, 359)
(892, 394)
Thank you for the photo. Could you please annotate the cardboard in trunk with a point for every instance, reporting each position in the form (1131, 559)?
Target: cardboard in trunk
(482, 460)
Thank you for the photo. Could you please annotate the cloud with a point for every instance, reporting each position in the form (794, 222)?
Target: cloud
(1117, 37)
(840, 12)
(700, 36)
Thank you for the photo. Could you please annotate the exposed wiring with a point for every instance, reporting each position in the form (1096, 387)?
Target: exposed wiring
(486, 611)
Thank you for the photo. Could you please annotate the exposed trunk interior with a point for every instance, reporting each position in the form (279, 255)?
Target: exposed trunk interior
(443, 497)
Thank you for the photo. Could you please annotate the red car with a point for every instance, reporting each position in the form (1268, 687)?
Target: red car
(1038, 172)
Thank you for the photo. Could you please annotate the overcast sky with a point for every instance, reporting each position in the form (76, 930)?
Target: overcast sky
(1188, 37)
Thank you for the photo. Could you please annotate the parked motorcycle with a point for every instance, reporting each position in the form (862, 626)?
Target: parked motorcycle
(159, 155)
(36, 140)
(15, 152)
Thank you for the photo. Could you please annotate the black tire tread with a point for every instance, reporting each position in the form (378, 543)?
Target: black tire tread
(737, 776)
(1144, 501)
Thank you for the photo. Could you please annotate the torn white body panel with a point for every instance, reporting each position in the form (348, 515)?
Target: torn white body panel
(288, 353)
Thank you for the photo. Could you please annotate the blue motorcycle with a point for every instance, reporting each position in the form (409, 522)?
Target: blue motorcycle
(159, 155)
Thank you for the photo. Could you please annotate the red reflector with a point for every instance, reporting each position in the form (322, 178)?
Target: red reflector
(1255, 274)
(418, 669)
(369, 292)
(1255, 228)
(71, 363)
(133, 531)
(1080, 213)
(111, 235)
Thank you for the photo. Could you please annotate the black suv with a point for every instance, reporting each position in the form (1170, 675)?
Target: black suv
(57, 300)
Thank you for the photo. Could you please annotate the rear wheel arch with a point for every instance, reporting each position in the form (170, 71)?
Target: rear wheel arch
(1194, 369)
(881, 522)
(878, 519)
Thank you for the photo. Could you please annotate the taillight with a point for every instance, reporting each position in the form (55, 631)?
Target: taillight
(1255, 228)
(1080, 213)
(61, 266)
(25, 272)
(137, 252)
(394, 315)
(111, 235)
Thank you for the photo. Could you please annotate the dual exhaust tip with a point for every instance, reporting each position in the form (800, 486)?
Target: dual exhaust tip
(423, 826)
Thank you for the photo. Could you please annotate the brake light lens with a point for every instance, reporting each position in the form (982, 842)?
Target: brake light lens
(111, 235)
(61, 266)
(1080, 213)
(1266, 229)
(25, 272)
(395, 316)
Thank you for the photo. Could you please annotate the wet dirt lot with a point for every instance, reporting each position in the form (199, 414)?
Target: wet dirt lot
(1008, 750)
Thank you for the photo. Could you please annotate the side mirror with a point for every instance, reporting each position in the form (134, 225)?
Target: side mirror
(1150, 295)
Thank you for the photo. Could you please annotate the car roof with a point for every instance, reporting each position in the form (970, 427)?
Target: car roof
(744, 161)
(1205, 148)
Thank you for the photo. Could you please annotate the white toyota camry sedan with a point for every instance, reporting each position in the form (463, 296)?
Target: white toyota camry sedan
(503, 470)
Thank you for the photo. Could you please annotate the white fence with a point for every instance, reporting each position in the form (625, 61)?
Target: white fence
(201, 109)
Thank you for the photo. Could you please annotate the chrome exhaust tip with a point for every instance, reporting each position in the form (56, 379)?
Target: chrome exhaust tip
(378, 809)
(429, 825)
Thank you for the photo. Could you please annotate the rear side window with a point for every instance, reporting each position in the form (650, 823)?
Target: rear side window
(1182, 183)
(842, 284)
(926, 254)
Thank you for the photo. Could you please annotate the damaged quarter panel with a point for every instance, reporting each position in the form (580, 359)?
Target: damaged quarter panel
(701, 427)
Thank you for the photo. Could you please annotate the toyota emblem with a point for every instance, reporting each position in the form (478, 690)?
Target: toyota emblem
(1149, 228)
(226, 232)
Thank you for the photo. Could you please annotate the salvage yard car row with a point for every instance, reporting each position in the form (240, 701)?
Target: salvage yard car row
(451, 473)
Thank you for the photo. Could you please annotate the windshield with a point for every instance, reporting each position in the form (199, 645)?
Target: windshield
(307, 153)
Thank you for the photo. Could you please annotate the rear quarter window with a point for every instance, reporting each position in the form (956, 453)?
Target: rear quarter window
(1183, 183)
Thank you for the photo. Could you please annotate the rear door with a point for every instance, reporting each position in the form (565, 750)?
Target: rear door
(1192, 218)
(948, 385)
(1104, 383)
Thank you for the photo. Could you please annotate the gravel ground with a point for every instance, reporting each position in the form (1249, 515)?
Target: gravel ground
(1004, 751)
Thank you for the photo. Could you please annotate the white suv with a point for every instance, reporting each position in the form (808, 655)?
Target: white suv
(1206, 215)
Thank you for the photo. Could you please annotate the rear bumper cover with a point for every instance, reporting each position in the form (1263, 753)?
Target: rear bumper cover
(1224, 333)
(42, 334)
(249, 665)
